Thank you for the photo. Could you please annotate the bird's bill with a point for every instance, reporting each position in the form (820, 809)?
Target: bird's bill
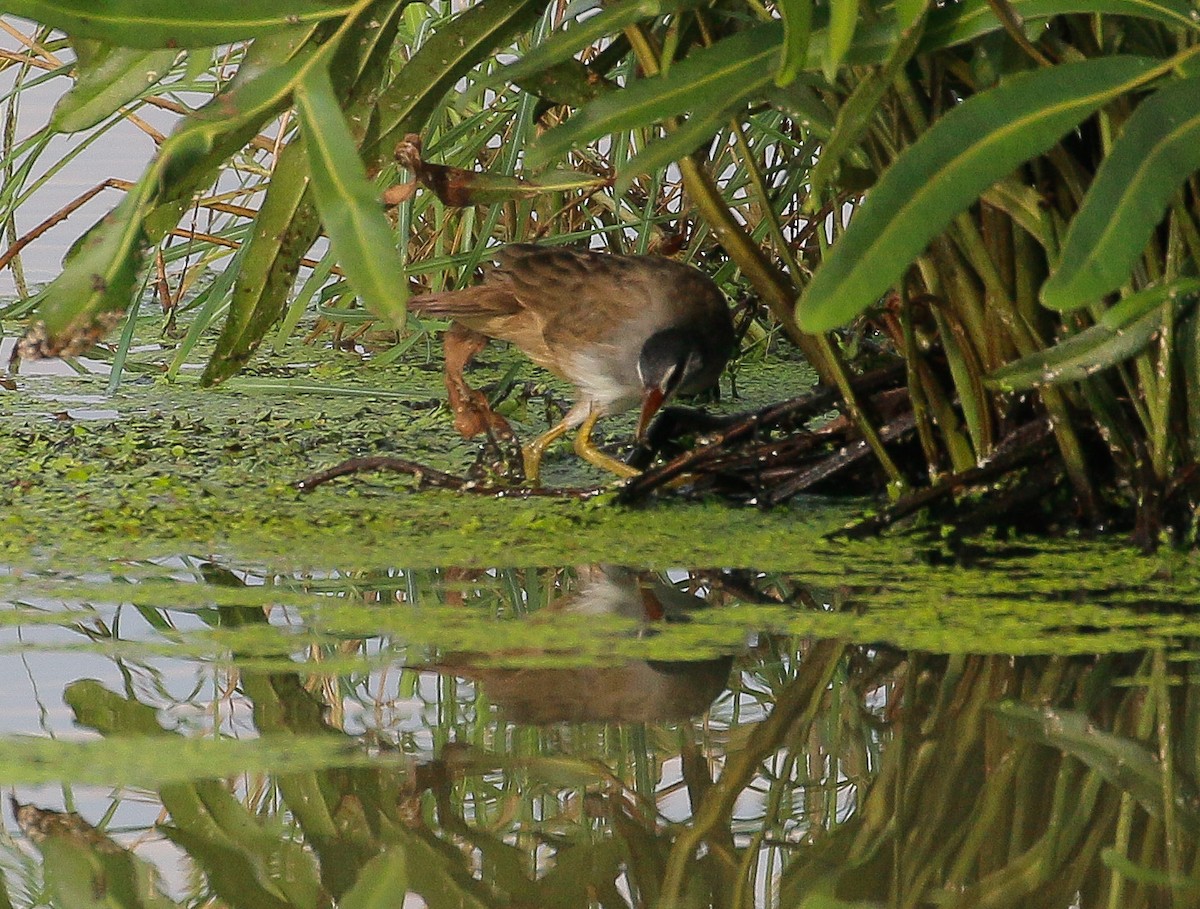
(652, 400)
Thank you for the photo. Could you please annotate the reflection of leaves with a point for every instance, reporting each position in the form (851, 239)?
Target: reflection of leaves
(380, 884)
(1127, 764)
(437, 872)
(234, 874)
(84, 868)
(581, 873)
(1140, 874)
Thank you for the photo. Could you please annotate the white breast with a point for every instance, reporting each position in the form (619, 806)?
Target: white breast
(612, 390)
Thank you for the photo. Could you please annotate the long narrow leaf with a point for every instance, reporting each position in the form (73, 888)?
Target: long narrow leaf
(797, 30)
(96, 286)
(110, 77)
(196, 23)
(451, 53)
(564, 43)
(287, 223)
(956, 23)
(699, 128)
(1157, 152)
(1122, 332)
(97, 282)
(1129, 765)
(843, 21)
(284, 229)
(691, 84)
(854, 117)
(349, 204)
(381, 884)
(965, 152)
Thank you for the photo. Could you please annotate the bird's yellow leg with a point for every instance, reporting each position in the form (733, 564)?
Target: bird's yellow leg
(532, 453)
(590, 453)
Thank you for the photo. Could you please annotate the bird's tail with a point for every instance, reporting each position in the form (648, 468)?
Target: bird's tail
(470, 302)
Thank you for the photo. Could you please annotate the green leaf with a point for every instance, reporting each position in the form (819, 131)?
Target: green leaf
(105, 80)
(802, 103)
(797, 29)
(1025, 205)
(908, 11)
(1158, 150)
(1142, 874)
(966, 151)
(381, 883)
(843, 20)
(690, 84)
(97, 284)
(698, 129)
(612, 19)
(1126, 764)
(569, 82)
(455, 48)
(957, 23)
(349, 203)
(287, 222)
(284, 229)
(854, 117)
(197, 23)
(1122, 332)
(437, 874)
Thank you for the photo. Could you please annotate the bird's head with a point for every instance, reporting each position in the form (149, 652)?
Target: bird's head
(671, 360)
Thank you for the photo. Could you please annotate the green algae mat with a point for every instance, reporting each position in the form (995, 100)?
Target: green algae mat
(252, 696)
(93, 477)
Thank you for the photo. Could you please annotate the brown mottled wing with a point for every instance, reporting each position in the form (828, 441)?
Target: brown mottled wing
(594, 297)
(571, 290)
(554, 301)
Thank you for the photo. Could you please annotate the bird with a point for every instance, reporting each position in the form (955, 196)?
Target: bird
(623, 329)
(622, 690)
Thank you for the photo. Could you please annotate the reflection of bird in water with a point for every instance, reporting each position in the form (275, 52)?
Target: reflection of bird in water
(638, 691)
(622, 329)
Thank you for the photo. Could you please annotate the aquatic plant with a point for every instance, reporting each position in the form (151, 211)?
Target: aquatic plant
(1000, 196)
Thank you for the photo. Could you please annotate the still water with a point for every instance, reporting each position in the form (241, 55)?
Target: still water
(601, 735)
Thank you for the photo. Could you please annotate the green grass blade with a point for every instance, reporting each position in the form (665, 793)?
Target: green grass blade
(690, 84)
(349, 204)
(564, 43)
(969, 149)
(1158, 150)
(446, 57)
(197, 23)
(1122, 332)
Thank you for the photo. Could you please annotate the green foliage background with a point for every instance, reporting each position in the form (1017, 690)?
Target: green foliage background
(1012, 179)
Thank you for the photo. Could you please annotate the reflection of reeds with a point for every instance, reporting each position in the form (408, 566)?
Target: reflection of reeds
(833, 772)
(971, 808)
